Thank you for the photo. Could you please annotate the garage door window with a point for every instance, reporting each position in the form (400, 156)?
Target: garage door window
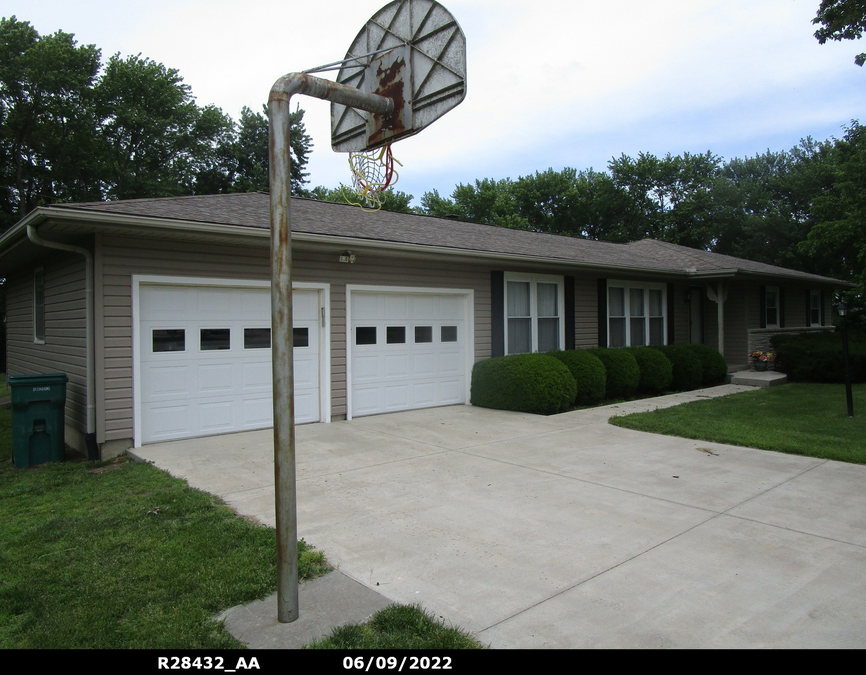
(213, 339)
(301, 337)
(395, 335)
(423, 334)
(257, 338)
(169, 340)
(365, 335)
(448, 334)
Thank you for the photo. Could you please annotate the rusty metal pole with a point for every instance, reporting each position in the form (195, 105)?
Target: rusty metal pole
(281, 314)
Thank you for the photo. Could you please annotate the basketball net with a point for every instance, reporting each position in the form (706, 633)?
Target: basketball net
(372, 173)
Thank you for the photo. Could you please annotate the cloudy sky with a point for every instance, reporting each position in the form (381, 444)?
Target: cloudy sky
(551, 83)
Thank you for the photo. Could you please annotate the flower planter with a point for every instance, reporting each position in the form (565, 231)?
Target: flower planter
(760, 366)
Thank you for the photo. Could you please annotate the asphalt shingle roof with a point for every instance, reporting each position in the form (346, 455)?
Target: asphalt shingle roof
(250, 210)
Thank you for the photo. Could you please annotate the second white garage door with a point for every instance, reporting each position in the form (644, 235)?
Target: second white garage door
(407, 350)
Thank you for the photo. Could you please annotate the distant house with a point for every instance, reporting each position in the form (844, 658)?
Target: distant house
(390, 310)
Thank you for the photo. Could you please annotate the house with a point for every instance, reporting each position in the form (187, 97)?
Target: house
(171, 298)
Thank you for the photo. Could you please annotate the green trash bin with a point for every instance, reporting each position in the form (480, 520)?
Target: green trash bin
(38, 418)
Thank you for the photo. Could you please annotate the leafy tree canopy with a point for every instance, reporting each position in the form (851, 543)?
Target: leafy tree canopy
(841, 20)
(72, 129)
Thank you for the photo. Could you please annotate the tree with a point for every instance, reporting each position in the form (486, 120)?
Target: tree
(156, 139)
(47, 130)
(841, 20)
(250, 155)
(838, 235)
(69, 132)
(392, 200)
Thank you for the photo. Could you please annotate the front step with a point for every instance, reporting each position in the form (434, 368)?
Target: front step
(752, 378)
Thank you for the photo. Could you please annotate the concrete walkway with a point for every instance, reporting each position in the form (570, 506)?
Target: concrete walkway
(559, 531)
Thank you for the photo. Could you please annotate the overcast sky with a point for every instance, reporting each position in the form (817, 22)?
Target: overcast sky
(550, 83)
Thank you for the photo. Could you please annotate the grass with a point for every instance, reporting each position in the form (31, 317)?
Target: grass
(799, 419)
(398, 627)
(4, 386)
(119, 554)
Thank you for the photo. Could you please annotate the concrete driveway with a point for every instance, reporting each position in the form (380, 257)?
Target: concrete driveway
(565, 531)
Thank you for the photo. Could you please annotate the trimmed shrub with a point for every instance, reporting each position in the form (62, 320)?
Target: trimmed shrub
(687, 369)
(818, 357)
(623, 373)
(656, 372)
(712, 362)
(588, 372)
(534, 383)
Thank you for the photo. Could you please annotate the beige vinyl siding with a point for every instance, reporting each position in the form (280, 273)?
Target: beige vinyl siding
(122, 257)
(64, 350)
(586, 312)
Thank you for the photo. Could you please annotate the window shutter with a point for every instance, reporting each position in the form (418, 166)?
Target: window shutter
(822, 308)
(781, 308)
(670, 315)
(602, 312)
(497, 313)
(569, 312)
(808, 308)
(762, 290)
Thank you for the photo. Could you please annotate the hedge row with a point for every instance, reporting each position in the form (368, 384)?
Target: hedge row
(818, 357)
(556, 381)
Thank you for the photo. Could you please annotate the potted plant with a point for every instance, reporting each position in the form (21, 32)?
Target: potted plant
(761, 359)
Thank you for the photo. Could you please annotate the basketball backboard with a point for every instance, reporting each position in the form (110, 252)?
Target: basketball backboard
(411, 51)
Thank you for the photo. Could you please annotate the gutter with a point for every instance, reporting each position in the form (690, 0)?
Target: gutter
(90, 436)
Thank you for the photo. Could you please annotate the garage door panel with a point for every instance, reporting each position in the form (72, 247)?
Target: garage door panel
(451, 392)
(424, 364)
(257, 413)
(216, 378)
(396, 366)
(256, 377)
(169, 421)
(425, 393)
(217, 416)
(219, 381)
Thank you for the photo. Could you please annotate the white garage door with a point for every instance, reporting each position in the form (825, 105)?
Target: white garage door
(205, 360)
(408, 350)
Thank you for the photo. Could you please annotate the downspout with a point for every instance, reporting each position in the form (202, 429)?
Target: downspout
(90, 436)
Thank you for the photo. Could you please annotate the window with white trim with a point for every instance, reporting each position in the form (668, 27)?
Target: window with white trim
(39, 305)
(771, 307)
(636, 314)
(814, 308)
(534, 310)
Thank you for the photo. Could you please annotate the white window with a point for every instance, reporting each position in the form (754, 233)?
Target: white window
(39, 306)
(534, 310)
(771, 307)
(635, 314)
(814, 308)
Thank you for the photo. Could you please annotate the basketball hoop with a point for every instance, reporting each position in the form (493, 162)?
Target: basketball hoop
(373, 172)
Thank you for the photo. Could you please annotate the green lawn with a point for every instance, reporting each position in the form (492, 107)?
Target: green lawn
(801, 419)
(398, 627)
(119, 554)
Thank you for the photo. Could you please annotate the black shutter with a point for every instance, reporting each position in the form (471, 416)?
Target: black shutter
(808, 308)
(671, 331)
(602, 312)
(763, 304)
(569, 312)
(822, 308)
(781, 308)
(497, 313)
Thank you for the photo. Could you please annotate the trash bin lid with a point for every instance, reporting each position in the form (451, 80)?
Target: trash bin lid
(35, 380)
